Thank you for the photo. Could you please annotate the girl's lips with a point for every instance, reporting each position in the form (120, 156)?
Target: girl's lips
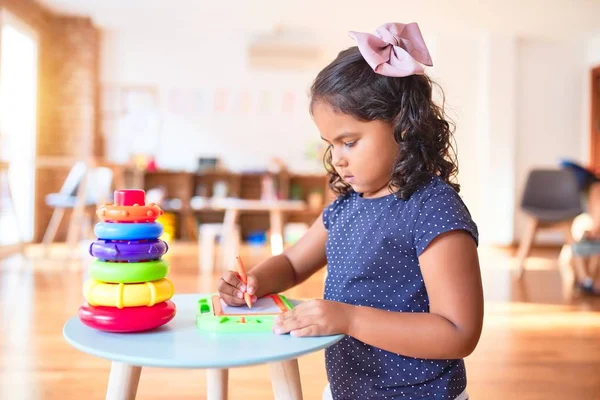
(349, 178)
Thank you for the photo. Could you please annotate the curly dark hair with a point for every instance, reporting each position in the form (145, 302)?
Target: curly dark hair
(421, 128)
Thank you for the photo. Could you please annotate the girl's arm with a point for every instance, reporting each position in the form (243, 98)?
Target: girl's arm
(451, 329)
(280, 272)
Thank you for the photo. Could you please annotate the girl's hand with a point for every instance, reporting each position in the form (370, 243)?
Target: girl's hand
(231, 289)
(315, 318)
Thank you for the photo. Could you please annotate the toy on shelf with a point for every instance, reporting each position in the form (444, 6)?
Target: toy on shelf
(128, 289)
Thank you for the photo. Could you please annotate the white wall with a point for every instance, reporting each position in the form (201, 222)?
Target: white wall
(592, 51)
(201, 66)
(497, 137)
(517, 101)
(549, 97)
(459, 82)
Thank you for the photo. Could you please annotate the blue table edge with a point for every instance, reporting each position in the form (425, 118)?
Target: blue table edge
(149, 363)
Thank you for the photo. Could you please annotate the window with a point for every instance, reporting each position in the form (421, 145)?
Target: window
(18, 96)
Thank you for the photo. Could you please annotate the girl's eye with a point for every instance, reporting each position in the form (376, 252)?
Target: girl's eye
(350, 144)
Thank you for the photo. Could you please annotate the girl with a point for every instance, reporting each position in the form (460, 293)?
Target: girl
(403, 281)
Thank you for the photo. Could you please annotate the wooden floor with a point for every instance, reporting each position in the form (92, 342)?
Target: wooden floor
(540, 341)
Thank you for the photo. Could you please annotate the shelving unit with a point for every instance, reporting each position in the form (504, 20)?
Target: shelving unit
(181, 185)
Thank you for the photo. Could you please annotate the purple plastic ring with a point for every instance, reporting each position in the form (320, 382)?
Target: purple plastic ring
(130, 250)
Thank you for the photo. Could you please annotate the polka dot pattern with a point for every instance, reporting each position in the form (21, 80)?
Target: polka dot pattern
(372, 254)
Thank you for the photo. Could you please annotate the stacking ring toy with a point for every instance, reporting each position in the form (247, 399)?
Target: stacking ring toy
(134, 272)
(112, 231)
(134, 213)
(132, 319)
(133, 295)
(131, 251)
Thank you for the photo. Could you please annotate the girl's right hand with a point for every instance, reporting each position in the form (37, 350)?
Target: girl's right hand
(231, 289)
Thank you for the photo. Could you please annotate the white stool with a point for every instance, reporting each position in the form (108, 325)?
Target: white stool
(229, 249)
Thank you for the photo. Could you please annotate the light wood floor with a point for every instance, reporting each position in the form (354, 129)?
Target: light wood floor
(539, 340)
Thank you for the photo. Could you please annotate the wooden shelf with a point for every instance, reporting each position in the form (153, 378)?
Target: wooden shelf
(182, 185)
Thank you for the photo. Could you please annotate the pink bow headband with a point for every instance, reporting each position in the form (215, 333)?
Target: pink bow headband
(395, 50)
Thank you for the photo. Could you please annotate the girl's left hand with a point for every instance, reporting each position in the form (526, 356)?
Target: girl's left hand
(315, 318)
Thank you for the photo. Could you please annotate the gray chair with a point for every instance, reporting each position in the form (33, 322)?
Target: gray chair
(551, 200)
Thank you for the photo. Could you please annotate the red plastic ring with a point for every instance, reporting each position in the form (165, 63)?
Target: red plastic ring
(128, 319)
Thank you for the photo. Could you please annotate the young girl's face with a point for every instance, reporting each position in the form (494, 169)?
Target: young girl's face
(363, 153)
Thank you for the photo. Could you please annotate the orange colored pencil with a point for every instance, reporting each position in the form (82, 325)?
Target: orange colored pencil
(242, 272)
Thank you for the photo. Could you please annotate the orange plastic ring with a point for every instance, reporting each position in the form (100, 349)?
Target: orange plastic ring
(135, 213)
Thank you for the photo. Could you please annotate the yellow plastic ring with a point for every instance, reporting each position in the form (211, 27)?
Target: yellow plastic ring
(127, 295)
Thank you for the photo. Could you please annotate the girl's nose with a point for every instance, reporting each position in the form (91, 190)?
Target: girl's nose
(337, 158)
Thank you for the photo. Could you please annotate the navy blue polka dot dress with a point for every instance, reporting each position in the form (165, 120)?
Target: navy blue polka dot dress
(372, 254)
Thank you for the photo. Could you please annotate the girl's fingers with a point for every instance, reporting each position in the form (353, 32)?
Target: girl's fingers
(233, 279)
(290, 324)
(231, 300)
(311, 330)
(252, 284)
(303, 309)
(225, 288)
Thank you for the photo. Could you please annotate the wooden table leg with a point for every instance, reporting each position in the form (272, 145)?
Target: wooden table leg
(123, 381)
(285, 379)
(216, 384)
(276, 223)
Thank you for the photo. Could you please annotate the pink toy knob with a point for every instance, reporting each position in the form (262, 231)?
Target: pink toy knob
(129, 197)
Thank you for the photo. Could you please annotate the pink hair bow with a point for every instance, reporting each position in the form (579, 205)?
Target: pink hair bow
(395, 50)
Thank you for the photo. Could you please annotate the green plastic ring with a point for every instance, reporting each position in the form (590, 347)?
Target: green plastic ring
(134, 272)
